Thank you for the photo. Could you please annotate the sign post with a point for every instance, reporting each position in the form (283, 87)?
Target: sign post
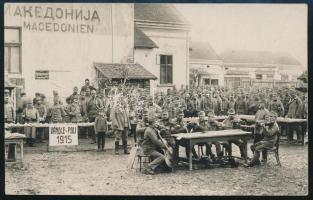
(63, 135)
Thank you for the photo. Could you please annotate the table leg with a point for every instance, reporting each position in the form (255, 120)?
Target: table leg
(22, 149)
(245, 144)
(190, 155)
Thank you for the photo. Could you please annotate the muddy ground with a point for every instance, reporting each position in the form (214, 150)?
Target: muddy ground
(103, 173)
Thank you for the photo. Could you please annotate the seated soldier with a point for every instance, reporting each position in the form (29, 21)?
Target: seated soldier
(270, 130)
(209, 124)
(151, 145)
(232, 122)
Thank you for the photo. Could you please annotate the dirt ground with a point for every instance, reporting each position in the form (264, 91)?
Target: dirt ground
(103, 173)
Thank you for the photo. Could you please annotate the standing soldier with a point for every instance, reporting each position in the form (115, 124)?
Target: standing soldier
(9, 114)
(75, 110)
(232, 102)
(241, 106)
(30, 115)
(42, 110)
(56, 112)
(93, 106)
(294, 108)
(119, 125)
(276, 106)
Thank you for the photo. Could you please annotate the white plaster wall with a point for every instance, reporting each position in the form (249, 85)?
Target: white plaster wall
(69, 56)
(170, 42)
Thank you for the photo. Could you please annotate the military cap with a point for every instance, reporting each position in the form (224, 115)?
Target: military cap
(201, 113)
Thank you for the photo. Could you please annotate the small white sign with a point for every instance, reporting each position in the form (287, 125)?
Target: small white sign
(63, 134)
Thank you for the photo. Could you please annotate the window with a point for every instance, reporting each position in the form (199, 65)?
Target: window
(258, 76)
(166, 69)
(12, 50)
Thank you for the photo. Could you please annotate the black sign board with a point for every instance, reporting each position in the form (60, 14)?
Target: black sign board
(41, 75)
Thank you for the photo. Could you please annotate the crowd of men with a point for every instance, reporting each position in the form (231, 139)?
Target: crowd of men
(132, 111)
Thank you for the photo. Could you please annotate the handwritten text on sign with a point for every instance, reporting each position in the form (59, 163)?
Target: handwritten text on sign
(63, 135)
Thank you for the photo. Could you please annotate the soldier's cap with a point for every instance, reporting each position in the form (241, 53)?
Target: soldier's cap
(43, 95)
(37, 94)
(231, 111)
(86, 79)
(6, 91)
(23, 93)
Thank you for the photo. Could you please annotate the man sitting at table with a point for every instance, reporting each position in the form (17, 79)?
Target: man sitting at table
(151, 145)
(209, 124)
(269, 130)
(233, 122)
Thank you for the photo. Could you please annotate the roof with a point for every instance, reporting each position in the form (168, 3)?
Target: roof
(304, 76)
(259, 57)
(164, 13)
(141, 40)
(202, 50)
(236, 72)
(114, 70)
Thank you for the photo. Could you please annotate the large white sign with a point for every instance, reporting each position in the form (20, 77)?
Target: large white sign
(63, 134)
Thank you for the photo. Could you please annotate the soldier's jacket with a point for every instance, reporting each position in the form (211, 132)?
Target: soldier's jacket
(178, 126)
(165, 133)
(294, 110)
(75, 113)
(277, 107)
(270, 133)
(56, 114)
(229, 123)
(204, 125)
(151, 141)
(241, 107)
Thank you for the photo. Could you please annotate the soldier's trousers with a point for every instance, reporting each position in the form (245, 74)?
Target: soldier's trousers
(258, 138)
(121, 134)
(158, 159)
(260, 147)
(295, 128)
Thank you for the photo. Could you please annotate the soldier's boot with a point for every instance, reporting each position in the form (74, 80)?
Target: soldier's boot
(117, 147)
(125, 147)
(264, 156)
(242, 152)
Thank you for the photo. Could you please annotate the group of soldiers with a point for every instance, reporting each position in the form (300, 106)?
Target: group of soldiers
(133, 111)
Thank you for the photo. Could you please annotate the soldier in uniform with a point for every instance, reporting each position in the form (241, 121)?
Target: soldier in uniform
(165, 125)
(233, 122)
(276, 106)
(142, 124)
(93, 106)
(9, 114)
(42, 110)
(209, 124)
(120, 123)
(56, 112)
(294, 111)
(30, 115)
(75, 110)
(270, 130)
(151, 145)
(241, 106)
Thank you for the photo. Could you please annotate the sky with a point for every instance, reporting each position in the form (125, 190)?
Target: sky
(260, 27)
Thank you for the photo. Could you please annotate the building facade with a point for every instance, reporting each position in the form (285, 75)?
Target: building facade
(164, 51)
(204, 61)
(260, 68)
(53, 46)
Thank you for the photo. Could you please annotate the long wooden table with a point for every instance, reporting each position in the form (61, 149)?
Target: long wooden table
(211, 136)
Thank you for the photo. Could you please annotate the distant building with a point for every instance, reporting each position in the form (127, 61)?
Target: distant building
(207, 63)
(259, 68)
(161, 44)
